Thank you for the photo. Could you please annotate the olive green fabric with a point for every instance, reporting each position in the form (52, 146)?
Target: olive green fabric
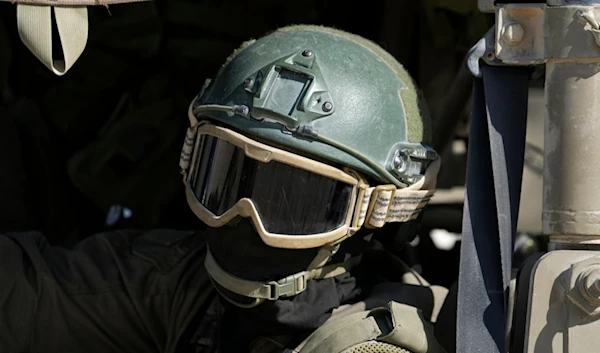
(397, 324)
(376, 347)
(126, 291)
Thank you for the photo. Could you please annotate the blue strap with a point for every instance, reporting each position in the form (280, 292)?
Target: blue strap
(493, 188)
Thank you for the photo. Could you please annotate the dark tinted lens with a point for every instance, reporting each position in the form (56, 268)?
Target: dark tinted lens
(289, 200)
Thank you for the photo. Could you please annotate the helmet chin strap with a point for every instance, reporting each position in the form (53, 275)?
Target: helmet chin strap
(286, 287)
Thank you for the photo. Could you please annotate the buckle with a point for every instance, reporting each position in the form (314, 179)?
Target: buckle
(379, 206)
(287, 287)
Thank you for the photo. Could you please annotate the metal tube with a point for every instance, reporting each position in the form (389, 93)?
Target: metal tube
(571, 208)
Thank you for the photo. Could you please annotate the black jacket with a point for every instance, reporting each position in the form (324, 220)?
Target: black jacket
(114, 292)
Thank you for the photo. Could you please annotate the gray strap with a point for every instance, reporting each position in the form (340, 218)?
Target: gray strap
(273, 290)
(494, 173)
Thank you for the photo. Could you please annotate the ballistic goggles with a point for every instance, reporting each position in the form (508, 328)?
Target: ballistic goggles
(293, 201)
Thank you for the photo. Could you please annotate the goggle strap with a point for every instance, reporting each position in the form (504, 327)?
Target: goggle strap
(273, 290)
(255, 302)
(323, 255)
(187, 150)
(382, 205)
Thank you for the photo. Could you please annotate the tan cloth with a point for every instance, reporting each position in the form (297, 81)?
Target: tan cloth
(399, 325)
(34, 21)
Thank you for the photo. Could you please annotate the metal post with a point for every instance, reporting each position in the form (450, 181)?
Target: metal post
(571, 211)
(565, 36)
(563, 301)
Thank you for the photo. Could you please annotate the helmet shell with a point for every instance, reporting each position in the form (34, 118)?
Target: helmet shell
(360, 96)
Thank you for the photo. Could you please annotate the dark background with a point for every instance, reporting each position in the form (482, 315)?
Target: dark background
(107, 135)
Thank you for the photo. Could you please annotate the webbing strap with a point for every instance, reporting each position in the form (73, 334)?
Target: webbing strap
(273, 290)
(493, 188)
(34, 21)
(398, 324)
(35, 29)
(397, 205)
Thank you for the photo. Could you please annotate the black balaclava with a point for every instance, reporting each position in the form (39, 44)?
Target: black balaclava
(240, 251)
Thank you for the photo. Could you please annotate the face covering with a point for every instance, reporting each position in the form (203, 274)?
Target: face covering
(239, 250)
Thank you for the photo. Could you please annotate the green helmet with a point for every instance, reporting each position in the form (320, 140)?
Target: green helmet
(326, 94)
(311, 133)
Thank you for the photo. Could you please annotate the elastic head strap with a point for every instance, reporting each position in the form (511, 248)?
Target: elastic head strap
(386, 203)
(272, 290)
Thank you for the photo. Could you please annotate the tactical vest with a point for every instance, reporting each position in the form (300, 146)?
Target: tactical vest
(399, 328)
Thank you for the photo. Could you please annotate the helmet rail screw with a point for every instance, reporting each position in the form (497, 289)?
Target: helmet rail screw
(307, 53)
(399, 162)
(248, 83)
(327, 106)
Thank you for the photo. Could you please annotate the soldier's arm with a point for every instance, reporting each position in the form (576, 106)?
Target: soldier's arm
(117, 292)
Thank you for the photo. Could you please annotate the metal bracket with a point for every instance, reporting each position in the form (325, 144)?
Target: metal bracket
(484, 50)
(555, 323)
(529, 34)
(583, 294)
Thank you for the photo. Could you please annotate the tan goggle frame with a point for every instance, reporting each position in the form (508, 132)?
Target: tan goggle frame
(246, 208)
(371, 207)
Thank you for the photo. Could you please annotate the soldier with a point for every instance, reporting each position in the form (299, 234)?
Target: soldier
(307, 158)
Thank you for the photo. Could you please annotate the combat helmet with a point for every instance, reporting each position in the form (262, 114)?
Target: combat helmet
(312, 133)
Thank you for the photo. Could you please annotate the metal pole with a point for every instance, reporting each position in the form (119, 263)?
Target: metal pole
(571, 211)
(563, 301)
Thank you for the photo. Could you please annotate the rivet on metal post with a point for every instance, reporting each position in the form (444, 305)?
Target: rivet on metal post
(512, 33)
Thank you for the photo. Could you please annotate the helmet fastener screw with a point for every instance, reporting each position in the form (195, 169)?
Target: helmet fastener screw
(248, 83)
(399, 163)
(307, 53)
(327, 106)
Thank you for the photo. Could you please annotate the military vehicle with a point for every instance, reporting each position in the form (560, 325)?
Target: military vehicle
(551, 303)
